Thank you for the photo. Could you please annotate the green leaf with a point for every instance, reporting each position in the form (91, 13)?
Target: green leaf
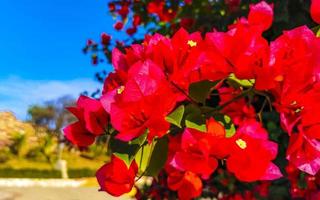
(226, 121)
(229, 126)
(176, 116)
(241, 82)
(158, 157)
(316, 30)
(200, 91)
(127, 151)
(142, 157)
(196, 121)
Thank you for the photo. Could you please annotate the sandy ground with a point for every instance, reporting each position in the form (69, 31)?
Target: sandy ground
(40, 193)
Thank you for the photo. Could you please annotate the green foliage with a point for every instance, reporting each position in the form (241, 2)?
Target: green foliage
(152, 157)
(176, 116)
(127, 151)
(158, 157)
(44, 173)
(200, 91)
(225, 120)
(194, 118)
(233, 80)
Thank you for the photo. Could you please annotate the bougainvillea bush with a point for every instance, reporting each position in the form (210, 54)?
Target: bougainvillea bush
(224, 115)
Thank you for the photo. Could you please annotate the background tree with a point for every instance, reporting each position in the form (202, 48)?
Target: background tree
(52, 115)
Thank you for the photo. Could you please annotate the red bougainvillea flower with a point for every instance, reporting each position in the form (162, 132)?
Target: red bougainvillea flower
(93, 121)
(118, 26)
(105, 39)
(124, 10)
(116, 178)
(238, 110)
(133, 111)
(187, 22)
(188, 184)
(158, 7)
(243, 47)
(136, 20)
(131, 31)
(112, 7)
(194, 155)
(252, 153)
(78, 135)
(188, 1)
(261, 14)
(315, 10)
(91, 113)
(304, 153)
(233, 5)
(197, 151)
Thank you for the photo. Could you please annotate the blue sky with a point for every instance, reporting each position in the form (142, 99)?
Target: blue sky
(40, 52)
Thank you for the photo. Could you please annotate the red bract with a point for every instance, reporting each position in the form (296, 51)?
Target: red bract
(131, 31)
(134, 112)
(304, 153)
(238, 110)
(188, 184)
(118, 26)
(158, 7)
(315, 10)
(187, 22)
(261, 14)
(197, 152)
(124, 10)
(232, 5)
(116, 178)
(112, 7)
(251, 148)
(78, 135)
(93, 121)
(195, 155)
(136, 20)
(105, 39)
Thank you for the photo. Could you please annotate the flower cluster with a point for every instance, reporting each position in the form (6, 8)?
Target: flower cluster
(190, 105)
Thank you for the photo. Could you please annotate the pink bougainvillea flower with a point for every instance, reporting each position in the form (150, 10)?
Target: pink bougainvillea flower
(251, 148)
(315, 10)
(188, 184)
(116, 178)
(93, 121)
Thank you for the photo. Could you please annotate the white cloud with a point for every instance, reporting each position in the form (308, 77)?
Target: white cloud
(16, 94)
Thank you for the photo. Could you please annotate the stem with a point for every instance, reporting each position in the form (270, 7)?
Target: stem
(183, 92)
(243, 94)
(141, 156)
(261, 109)
(267, 98)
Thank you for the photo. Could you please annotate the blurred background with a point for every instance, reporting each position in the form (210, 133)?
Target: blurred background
(54, 50)
(43, 69)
